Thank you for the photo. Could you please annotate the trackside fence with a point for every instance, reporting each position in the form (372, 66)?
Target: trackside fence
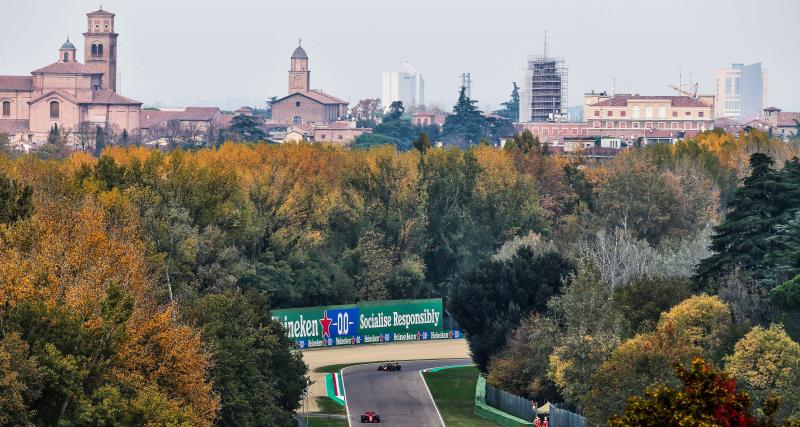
(520, 407)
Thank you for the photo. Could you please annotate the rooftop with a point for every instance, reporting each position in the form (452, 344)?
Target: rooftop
(676, 101)
(16, 82)
(61, 67)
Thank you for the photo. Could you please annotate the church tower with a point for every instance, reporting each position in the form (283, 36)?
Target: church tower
(67, 52)
(100, 47)
(299, 74)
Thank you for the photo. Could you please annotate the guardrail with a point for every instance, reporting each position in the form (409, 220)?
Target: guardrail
(494, 415)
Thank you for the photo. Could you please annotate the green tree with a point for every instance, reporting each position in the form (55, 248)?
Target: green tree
(53, 136)
(642, 300)
(510, 110)
(767, 199)
(246, 128)
(524, 142)
(258, 374)
(422, 143)
(464, 126)
(490, 301)
(15, 200)
(99, 141)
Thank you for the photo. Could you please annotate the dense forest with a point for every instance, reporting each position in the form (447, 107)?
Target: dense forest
(137, 285)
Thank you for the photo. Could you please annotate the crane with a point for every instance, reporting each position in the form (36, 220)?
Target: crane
(683, 92)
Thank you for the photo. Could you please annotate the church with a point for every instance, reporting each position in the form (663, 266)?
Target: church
(304, 105)
(68, 93)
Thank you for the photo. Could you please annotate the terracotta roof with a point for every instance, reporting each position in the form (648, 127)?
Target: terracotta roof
(316, 95)
(60, 93)
(13, 126)
(336, 125)
(149, 118)
(677, 101)
(100, 12)
(16, 82)
(788, 118)
(61, 67)
(108, 96)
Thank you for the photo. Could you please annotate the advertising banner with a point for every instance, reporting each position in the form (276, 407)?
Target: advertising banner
(365, 322)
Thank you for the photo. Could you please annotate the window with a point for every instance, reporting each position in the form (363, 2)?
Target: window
(623, 125)
(636, 125)
(622, 113)
(94, 49)
(688, 113)
(662, 112)
(596, 124)
(610, 113)
(54, 110)
(674, 114)
(701, 114)
(322, 137)
(6, 108)
(100, 50)
(297, 103)
(609, 125)
(648, 125)
(675, 125)
(340, 136)
(648, 112)
(728, 86)
(737, 86)
(66, 56)
(636, 112)
(297, 120)
(596, 113)
(662, 125)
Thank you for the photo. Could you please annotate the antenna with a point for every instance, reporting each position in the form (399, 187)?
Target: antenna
(545, 43)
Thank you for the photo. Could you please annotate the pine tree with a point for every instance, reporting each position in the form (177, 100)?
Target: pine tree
(510, 110)
(423, 143)
(768, 199)
(466, 122)
(53, 136)
(99, 141)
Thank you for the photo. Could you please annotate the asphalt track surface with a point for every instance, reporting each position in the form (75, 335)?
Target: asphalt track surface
(401, 398)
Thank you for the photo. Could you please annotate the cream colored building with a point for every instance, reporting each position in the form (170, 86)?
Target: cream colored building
(620, 114)
(741, 91)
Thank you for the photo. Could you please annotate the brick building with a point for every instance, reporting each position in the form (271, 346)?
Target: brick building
(303, 104)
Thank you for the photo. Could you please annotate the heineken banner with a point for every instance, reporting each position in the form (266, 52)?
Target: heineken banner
(366, 322)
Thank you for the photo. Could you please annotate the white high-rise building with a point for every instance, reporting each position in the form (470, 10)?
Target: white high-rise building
(406, 86)
(741, 91)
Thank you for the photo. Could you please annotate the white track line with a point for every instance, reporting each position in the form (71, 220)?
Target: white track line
(431, 396)
(344, 392)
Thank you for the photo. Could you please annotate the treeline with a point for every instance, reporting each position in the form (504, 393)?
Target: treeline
(137, 285)
(686, 252)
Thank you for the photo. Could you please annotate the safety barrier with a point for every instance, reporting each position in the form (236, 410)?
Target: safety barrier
(494, 415)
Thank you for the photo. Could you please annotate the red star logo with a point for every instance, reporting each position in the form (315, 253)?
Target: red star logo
(326, 324)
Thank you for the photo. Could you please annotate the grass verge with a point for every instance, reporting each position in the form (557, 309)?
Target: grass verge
(326, 405)
(454, 393)
(326, 422)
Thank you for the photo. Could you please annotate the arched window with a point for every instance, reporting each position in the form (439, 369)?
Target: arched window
(94, 49)
(6, 108)
(99, 50)
(54, 107)
(636, 112)
(648, 112)
(66, 56)
(662, 112)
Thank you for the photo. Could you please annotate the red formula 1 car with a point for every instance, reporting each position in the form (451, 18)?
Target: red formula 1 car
(370, 417)
(390, 366)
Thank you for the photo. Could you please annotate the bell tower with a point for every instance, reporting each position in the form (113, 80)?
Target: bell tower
(299, 74)
(100, 47)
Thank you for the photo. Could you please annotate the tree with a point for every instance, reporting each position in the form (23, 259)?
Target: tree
(53, 136)
(422, 143)
(246, 128)
(490, 301)
(767, 363)
(99, 141)
(15, 200)
(642, 300)
(708, 398)
(524, 142)
(465, 125)
(510, 110)
(767, 199)
(259, 376)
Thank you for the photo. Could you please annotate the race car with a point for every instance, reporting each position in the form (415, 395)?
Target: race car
(390, 366)
(370, 417)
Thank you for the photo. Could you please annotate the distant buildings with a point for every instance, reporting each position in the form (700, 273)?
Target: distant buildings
(406, 86)
(305, 105)
(543, 93)
(741, 90)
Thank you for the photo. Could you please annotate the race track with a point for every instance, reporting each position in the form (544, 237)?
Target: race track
(400, 397)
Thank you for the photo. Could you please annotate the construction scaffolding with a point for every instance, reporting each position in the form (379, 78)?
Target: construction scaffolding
(544, 90)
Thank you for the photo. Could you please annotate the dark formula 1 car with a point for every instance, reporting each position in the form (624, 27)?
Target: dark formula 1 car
(390, 366)
(370, 417)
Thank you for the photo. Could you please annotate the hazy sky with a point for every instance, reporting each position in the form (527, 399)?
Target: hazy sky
(234, 52)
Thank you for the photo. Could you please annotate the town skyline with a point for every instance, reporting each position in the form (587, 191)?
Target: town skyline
(198, 72)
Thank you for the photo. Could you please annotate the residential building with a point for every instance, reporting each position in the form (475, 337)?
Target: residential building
(427, 118)
(784, 124)
(75, 96)
(741, 91)
(406, 86)
(187, 124)
(543, 93)
(303, 104)
(662, 117)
